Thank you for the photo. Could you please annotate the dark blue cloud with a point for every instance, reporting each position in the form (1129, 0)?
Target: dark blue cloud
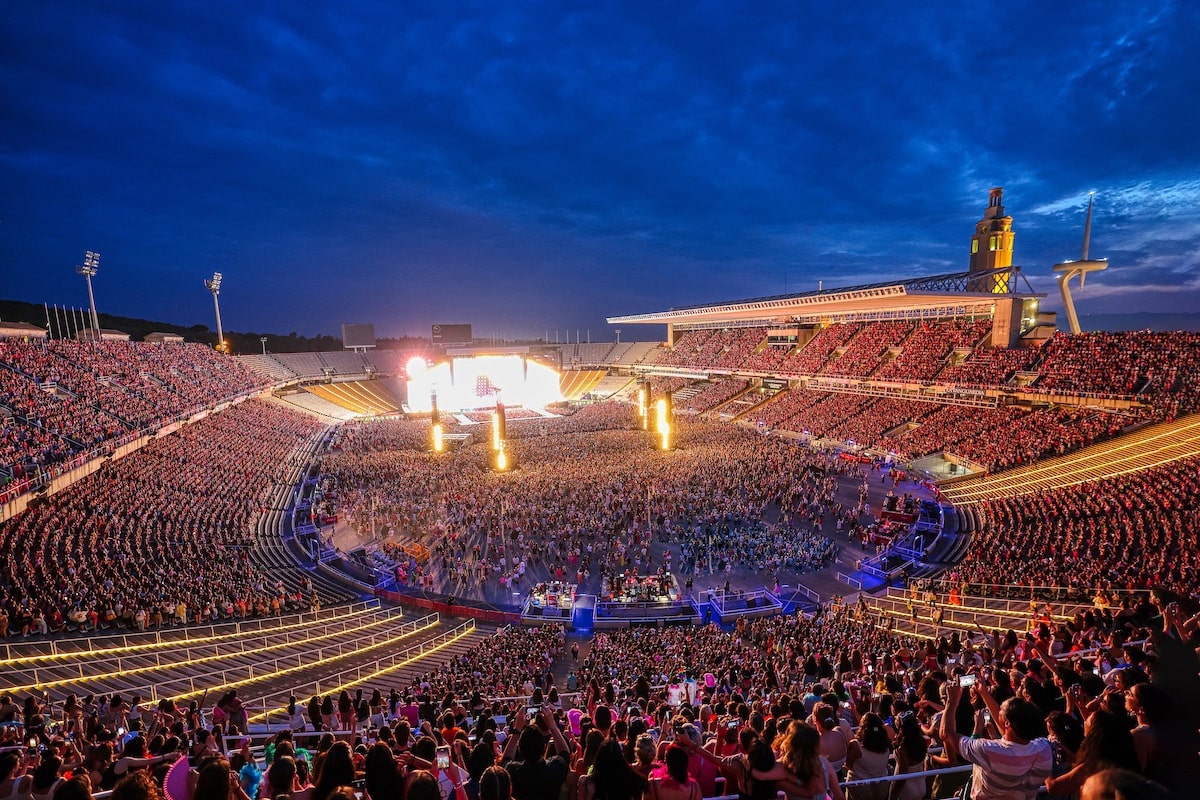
(543, 165)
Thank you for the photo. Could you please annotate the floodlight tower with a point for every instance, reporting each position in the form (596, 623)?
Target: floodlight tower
(1069, 269)
(89, 268)
(213, 284)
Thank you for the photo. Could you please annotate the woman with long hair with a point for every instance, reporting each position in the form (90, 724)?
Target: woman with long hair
(644, 752)
(673, 782)
(867, 757)
(911, 749)
(495, 784)
(216, 782)
(1150, 706)
(382, 779)
(337, 769)
(833, 742)
(611, 777)
(345, 712)
(327, 713)
(1107, 744)
(587, 757)
(805, 773)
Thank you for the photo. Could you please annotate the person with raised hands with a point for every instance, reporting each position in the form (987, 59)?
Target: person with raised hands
(1013, 767)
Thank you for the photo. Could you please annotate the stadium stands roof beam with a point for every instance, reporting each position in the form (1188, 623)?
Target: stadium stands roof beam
(948, 290)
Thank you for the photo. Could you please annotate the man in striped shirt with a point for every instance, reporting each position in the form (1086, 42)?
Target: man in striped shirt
(1012, 767)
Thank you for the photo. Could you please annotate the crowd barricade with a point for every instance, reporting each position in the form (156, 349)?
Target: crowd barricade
(485, 615)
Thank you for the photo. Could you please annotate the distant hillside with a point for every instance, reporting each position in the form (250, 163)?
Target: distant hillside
(1145, 320)
(239, 342)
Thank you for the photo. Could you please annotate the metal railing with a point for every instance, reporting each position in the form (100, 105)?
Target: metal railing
(1081, 595)
(975, 603)
(369, 670)
(190, 685)
(151, 638)
(849, 581)
(187, 653)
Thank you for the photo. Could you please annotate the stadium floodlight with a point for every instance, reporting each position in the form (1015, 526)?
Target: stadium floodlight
(89, 268)
(213, 284)
(263, 339)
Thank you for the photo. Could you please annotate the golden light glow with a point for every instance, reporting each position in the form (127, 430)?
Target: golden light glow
(216, 657)
(496, 443)
(1145, 449)
(475, 382)
(664, 424)
(501, 460)
(415, 366)
(169, 645)
(466, 629)
(439, 443)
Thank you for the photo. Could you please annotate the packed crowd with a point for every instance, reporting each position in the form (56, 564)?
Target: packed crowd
(1160, 365)
(766, 548)
(162, 536)
(863, 353)
(1003, 437)
(71, 398)
(695, 348)
(739, 347)
(768, 359)
(1133, 531)
(583, 502)
(715, 394)
(48, 428)
(924, 352)
(812, 705)
(991, 437)
(831, 408)
(1026, 436)
(876, 418)
(992, 366)
(809, 359)
(784, 406)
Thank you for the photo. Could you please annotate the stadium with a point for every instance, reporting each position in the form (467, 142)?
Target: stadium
(835, 505)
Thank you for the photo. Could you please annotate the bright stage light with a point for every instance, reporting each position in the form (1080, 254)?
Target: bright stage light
(415, 366)
(470, 383)
(438, 442)
(664, 424)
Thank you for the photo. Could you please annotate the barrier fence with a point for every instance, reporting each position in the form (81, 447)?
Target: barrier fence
(485, 615)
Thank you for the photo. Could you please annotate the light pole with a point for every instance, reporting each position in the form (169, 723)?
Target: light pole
(91, 265)
(263, 339)
(213, 284)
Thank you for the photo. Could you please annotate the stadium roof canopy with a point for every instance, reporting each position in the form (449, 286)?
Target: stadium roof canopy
(929, 296)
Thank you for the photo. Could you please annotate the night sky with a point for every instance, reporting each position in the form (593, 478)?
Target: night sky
(537, 167)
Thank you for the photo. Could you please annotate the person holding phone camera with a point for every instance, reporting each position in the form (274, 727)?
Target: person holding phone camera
(534, 775)
(1012, 767)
